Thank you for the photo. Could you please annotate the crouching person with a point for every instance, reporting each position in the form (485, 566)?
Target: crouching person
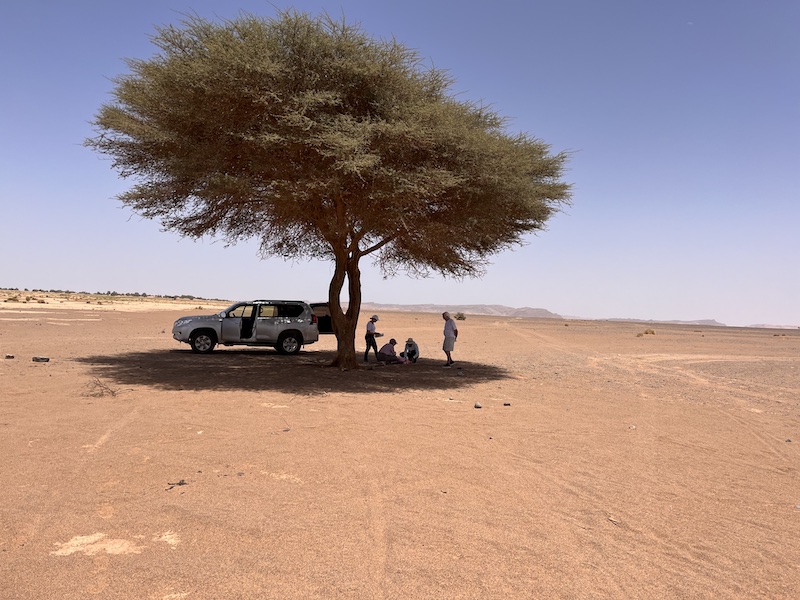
(411, 351)
(387, 354)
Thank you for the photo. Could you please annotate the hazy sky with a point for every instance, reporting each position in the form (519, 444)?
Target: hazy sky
(683, 117)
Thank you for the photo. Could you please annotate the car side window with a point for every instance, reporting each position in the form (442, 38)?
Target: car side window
(245, 310)
(266, 310)
(290, 310)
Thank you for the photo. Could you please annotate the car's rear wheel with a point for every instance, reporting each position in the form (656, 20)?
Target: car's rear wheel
(289, 342)
(203, 342)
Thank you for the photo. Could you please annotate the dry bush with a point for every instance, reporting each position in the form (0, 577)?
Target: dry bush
(97, 389)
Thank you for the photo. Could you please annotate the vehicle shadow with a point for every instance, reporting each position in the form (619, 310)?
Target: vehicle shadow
(264, 370)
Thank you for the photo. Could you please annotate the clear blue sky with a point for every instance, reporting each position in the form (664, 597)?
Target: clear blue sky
(683, 116)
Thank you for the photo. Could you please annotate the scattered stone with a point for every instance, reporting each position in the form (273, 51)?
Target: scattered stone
(506, 403)
(788, 441)
(9, 356)
(632, 427)
(477, 405)
(40, 359)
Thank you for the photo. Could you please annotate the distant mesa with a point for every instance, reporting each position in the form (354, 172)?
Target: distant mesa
(497, 310)
(706, 322)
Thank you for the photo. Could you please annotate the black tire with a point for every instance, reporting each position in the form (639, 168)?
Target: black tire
(203, 341)
(289, 342)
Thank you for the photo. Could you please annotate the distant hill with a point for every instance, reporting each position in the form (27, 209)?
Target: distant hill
(468, 309)
(536, 313)
(707, 322)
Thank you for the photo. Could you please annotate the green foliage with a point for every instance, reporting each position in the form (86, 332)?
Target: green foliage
(321, 142)
(308, 134)
(459, 316)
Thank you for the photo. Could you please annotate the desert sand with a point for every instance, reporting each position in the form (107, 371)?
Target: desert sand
(603, 462)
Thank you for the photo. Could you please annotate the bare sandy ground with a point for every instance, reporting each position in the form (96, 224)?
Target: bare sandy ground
(603, 463)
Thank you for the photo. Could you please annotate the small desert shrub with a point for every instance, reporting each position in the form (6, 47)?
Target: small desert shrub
(649, 332)
(460, 316)
(98, 389)
(13, 299)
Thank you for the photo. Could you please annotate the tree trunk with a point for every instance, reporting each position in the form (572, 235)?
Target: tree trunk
(344, 324)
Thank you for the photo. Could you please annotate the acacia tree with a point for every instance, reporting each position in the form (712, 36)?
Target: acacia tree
(322, 142)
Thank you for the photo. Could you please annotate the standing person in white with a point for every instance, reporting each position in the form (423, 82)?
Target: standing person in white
(370, 337)
(450, 336)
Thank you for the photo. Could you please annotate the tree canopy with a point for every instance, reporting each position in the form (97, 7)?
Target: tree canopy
(320, 141)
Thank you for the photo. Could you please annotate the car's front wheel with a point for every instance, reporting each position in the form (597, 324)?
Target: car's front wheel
(203, 342)
(289, 343)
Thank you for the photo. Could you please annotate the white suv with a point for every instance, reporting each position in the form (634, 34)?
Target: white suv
(284, 324)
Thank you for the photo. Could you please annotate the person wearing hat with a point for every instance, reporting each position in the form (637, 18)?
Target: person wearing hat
(370, 338)
(411, 351)
(388, 355)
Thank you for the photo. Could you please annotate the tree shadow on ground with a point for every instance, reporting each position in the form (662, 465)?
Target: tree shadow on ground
(263, 370)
